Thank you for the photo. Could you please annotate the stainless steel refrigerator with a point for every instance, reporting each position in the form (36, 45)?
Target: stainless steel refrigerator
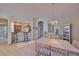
(67, 33)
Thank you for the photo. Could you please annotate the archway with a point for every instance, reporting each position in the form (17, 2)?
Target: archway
(40, 29)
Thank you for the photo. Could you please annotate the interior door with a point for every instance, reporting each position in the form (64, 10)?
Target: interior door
(40, 29)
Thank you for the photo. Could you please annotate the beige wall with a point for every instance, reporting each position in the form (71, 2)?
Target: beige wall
(74, 20)
(3, 21)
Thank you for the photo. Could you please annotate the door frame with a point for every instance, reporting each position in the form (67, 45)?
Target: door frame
(4, 24)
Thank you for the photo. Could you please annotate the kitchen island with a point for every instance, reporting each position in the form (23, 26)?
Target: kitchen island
(57, 45)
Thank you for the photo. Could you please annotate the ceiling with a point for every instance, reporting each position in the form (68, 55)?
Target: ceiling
(39, 9)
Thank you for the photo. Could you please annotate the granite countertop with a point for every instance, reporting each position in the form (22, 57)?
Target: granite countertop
(58, 43)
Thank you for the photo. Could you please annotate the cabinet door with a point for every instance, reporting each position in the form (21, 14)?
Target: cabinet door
(17, 28)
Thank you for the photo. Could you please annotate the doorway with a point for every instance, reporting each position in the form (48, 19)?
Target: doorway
(40, 29)
(3, 30)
